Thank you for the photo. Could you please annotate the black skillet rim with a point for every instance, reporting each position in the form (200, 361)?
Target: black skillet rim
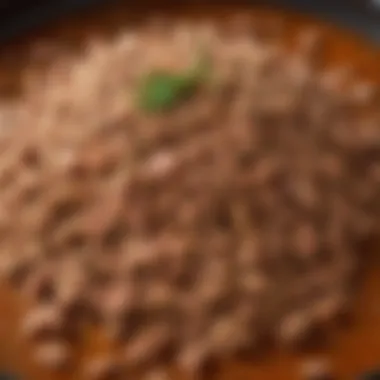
(20, 17)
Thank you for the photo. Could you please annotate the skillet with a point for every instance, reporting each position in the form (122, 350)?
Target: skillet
(18, 17)
(21, 17)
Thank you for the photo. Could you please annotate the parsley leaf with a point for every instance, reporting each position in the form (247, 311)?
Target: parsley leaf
(161, 91)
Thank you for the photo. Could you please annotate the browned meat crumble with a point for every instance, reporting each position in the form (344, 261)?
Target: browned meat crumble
(195, 233)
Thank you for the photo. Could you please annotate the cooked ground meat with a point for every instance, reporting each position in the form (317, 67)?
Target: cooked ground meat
(193, 232)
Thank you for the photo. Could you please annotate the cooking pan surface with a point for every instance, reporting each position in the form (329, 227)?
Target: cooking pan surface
(18, 17)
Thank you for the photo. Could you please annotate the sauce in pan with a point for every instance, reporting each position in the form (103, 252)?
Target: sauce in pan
(353, 347)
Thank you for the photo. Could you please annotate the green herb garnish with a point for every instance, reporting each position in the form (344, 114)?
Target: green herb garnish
(161, 91)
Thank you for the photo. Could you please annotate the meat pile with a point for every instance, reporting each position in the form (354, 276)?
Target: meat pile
(193, 234)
